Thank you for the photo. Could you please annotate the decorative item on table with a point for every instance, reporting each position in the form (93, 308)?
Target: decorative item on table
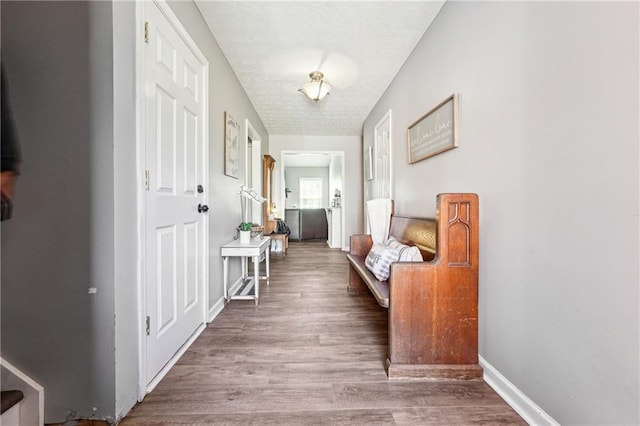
(248, 231)
(274, 212)
(253, 229)
(245, 232)
(337, 200)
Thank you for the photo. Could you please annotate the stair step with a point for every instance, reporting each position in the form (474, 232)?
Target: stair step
(10, 398)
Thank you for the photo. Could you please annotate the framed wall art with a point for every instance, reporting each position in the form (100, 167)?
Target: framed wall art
(231, 149)
(435, 132)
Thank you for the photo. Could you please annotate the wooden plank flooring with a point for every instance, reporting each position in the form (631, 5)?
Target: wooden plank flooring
(308, 354)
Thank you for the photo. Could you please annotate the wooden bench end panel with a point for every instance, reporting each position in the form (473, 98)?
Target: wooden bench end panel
(360, 244)
(433, 316)
(356, 286)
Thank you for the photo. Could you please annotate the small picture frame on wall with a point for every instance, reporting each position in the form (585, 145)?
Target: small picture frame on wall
(368, 163)
(231, 149)
(435, 132)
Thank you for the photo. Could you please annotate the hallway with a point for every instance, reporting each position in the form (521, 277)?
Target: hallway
(308, 354)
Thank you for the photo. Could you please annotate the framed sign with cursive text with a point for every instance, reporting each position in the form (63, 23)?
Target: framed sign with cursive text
(231, 146)
(434, 132)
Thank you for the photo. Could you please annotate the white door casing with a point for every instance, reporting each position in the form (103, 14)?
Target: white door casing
(382, 187)
(175, 162)
(280, 184)
(253, 168)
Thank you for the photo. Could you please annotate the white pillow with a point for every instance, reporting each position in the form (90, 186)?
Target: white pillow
(407, 253)
(381, 256)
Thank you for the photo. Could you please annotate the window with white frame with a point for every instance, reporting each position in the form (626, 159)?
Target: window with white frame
(310, 193)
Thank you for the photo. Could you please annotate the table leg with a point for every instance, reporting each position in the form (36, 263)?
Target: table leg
(267, 264)
(244, 267)
(225, 277)
(256, 276)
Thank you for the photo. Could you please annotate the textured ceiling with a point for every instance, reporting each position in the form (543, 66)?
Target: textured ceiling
(272, 47)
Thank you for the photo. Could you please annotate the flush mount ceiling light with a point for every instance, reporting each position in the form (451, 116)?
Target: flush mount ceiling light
(316, 89)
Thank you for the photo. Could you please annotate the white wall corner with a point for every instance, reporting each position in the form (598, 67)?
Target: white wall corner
(521, 403)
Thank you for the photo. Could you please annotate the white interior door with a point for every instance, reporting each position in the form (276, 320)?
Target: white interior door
(175, 126)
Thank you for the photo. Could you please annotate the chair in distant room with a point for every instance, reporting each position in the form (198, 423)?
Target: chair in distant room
(280, 238)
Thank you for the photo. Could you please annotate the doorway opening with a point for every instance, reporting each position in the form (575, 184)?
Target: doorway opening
(326, 165)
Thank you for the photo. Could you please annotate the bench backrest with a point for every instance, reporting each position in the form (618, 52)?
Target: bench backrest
(417, 232)
(452, 236)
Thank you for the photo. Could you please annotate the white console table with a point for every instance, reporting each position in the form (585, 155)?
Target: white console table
(246, 287)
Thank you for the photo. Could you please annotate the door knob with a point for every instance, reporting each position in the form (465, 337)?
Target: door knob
(203, 208)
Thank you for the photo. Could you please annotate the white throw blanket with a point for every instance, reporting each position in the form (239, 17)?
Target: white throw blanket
(379, 217)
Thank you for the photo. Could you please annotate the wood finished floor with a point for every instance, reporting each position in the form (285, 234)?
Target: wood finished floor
(308, 354)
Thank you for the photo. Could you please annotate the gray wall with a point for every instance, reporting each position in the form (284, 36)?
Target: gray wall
(549, 141)
(292, 181)
(225, 94)
(125, 207)
(71, 69)
(58, 58)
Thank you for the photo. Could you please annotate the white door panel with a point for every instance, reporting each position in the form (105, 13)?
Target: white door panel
(166, 279)
(175, 231)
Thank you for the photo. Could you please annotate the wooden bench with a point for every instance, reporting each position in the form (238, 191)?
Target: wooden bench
(284, 242)
(433, 305)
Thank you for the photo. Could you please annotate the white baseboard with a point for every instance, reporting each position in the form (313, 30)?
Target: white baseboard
(215, 310)
(525, 407)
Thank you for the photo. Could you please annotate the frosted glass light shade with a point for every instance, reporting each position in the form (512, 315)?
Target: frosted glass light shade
(316, 89)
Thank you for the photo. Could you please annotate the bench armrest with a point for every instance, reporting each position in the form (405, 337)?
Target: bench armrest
(360, 244)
